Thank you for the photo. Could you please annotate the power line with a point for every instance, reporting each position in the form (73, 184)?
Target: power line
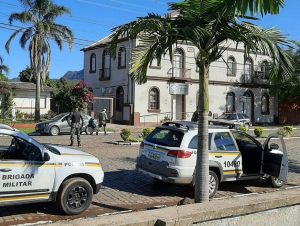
(13, 29)
(109, 6)
(15, 26)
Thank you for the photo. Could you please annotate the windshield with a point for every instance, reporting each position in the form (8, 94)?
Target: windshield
(227, 116)
(165, 137)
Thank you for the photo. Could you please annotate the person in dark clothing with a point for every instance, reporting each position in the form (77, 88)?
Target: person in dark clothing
(76, 126)
(195, 117)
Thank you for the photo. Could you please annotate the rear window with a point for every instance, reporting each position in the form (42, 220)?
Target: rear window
(228, 116)
(165, 137)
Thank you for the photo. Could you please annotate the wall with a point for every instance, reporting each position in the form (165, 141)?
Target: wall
(276, 217)
(289, 113)
(25, 101)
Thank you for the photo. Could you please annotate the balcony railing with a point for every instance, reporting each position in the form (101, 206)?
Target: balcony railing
(179, 73)
(258, 77)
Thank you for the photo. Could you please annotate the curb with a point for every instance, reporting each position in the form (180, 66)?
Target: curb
(197, 213)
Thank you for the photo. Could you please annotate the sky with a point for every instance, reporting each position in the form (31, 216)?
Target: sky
(92, 20)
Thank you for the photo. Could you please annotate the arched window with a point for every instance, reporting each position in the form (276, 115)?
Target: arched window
(119, 99)
(265, 104)
(154, 99)
(93, 63)
(231, 66)
(230, 102)
(105, 65)
(122, 57)
(178, 63)
(265, 68)
(248, 67)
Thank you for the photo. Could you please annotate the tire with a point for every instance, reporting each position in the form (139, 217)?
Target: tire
(89, 130)
(75, 196)
(54, 131)
(275, 182)
(213, 183)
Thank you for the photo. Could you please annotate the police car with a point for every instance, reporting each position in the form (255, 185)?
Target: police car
(169, 154)
(33, 172)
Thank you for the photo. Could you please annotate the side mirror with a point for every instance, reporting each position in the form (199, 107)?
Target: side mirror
(274, 146)
(46, 157)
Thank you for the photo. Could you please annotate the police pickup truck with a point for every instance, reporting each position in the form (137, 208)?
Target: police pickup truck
(32, 172)
(169, 154)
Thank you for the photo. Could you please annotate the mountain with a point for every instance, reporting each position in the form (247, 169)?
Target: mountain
(73, 75)
(16, 79)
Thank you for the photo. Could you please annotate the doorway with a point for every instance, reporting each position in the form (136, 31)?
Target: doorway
(248, 105)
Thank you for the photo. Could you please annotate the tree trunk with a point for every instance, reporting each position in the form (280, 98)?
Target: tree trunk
(37, 113)
(202, 164)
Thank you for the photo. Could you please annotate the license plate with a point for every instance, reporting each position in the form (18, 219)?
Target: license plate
(154, 155)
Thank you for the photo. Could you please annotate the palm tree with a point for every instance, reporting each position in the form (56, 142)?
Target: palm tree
(3, 67)
(208, 25)
(39, 16)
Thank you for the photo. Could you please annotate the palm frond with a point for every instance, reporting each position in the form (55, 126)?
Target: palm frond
(11, 38)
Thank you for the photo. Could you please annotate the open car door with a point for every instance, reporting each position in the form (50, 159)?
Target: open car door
(275, 160)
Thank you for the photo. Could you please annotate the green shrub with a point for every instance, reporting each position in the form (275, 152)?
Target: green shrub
(146, 132)
(286, 131)
(125, 134)
(244, 129)
(259, 132)
(166, 119)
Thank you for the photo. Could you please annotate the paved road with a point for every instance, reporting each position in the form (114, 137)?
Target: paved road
(125, 189)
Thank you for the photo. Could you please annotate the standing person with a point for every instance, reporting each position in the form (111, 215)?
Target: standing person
(102, 120)
(74, 120)
(13, 113)
(195, 116)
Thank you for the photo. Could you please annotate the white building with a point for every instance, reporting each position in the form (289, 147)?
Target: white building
(235, 85)
(24, 97)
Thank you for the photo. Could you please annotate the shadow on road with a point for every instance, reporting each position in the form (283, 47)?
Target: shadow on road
(135, 182)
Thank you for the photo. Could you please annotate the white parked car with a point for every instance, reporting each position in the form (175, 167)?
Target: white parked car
(32, 172)
(169, 154)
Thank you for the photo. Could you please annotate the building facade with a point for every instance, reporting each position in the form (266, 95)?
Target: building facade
(171, 92)
(24, 97)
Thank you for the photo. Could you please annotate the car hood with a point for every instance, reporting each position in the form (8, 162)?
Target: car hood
(70, 152)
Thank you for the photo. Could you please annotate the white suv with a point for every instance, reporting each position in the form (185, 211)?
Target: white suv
(169, 154)
(33, 172)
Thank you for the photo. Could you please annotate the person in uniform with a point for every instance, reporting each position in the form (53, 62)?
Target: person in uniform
(76, 126)
(102, 120)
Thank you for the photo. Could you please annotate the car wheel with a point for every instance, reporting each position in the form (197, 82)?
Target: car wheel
(275, 182)
(89, 130)
(54, 131)
(75, 196)
(213, 183)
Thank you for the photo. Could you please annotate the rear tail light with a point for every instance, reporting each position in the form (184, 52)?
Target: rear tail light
(180, 154)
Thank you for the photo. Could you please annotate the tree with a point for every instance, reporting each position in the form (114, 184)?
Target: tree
(3, 68)
(27, 76)
(289, 90)
(67, 95)
(6, 100)
(40, 16)
(209, 25)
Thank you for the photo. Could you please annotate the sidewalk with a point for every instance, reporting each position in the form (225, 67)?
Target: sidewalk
(265, 208)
